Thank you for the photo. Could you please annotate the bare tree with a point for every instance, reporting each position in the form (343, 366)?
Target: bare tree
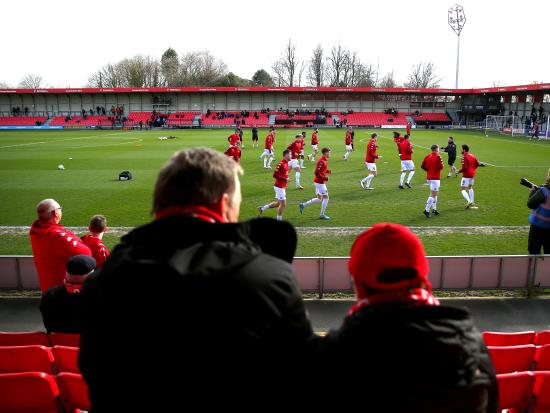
(287, 67)
(4, 85)
(109, 76)
(141, 71)
(336, 63)
(316, 68)
(423, 76)
(388, 81)
(32, 81)
(201, 69)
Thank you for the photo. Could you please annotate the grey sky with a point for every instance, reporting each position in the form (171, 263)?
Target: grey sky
(65, 41)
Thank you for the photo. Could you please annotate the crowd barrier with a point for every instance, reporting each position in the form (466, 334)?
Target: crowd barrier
(320, 275)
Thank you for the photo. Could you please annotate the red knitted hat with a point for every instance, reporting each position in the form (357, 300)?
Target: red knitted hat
(388, 257)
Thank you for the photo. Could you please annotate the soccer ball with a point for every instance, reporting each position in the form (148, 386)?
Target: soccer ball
(60, 167)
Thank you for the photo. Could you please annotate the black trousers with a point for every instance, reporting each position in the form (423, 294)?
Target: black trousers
(539, 238)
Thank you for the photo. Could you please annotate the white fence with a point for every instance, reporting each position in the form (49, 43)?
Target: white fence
(321, 275)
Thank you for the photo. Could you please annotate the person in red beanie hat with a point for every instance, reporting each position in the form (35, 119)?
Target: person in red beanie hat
(398, 347)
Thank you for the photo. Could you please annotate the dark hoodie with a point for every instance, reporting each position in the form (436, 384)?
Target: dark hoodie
(187, 311)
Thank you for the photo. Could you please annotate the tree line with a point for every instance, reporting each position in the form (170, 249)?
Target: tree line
(337, 67)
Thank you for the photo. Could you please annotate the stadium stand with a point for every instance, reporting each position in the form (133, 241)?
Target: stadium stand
(22, 120)
(181, 118)
(18, 359)
(542, 338)
(431, 117)
(64, 339)
(40, 395)
(73, 392)
(81, 121)
(229, 118)
(373, 119)
(66, 359)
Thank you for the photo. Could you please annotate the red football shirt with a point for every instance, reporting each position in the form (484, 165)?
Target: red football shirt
(398, 141)
(314, 139)
(234, 152)
(408, 128)
(406, 150)
(372, 156)
(233, 139)
(321, 171)
(99, 251)
(295, 148)
(469, 165)
(433, 164)
(348, 138)
(268, 142)
(281, 174)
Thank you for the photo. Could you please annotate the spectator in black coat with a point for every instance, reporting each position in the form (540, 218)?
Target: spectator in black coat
(193, 308)
(61, 306)
(398, 348)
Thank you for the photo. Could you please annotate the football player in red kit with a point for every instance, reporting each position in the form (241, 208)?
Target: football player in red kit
(468, 171)
(234, 151)
(397, 138)
(314, 145)
(348, 142)
(281, 179)
(370, 162)
(407, 165)
(433, 165)
(320, 179)
(408, 129)
(295, 149)
(234, 138)
(268, 155)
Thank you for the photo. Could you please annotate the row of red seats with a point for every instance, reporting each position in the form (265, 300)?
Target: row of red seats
(55, 360)
(539, 338)
(39, 338)
(22, 120)
(81, 121)
(432, 117)
(520, 358)
(41, 392)
(524, 391)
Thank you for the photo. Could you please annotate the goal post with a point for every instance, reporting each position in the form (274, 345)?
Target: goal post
(508, 125)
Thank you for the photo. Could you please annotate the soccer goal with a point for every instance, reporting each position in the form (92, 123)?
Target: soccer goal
(509, 125)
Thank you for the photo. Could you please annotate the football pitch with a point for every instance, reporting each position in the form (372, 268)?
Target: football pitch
(93, 159)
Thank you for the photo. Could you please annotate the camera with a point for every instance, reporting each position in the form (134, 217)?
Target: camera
(528, 184)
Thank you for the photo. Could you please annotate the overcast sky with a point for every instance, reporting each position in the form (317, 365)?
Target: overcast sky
(65, 41)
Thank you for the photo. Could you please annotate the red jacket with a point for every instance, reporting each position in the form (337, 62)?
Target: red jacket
(295, 148)
(469, 165)
(281, 174)
(408, 128)
(398, 141)
(314, 139)
(99, 251)
(52, 246)
(348, 138)
(406, 150)
(233, 139)
(234, 152)
(433, 164)
(321, 171)
(269, 142)
(372, 156)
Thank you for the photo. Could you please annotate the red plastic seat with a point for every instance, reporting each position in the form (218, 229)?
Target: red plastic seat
(508, 339)
(64, 339)
(513, 358)
(541, 391)
(18, 359)
(32, 338)
(66, 359)
(73, 391)
(515, 391)
(30, 392)
(542, 338)
(542, 358)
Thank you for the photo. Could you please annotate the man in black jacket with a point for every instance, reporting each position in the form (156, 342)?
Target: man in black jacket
(61, 306)
(194, 309)
(398, 348)
(451, 152)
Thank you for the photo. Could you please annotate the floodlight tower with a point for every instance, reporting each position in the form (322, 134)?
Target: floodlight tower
(457, 20)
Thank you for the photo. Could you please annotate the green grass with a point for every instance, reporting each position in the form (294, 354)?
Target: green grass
(28, 173)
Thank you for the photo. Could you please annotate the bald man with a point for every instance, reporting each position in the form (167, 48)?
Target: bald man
(52, 245)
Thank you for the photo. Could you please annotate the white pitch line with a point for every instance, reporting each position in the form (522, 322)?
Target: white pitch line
(62, 140)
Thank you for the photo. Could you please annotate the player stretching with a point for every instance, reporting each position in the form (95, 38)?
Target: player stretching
(370, 162)
(320, 178)
(295, 150)
(433, 164)
(407, 165)
(232, 139)
(451, 152)
(281, 178)
(302, 153)
(468, 171)
(268, 154)
(314, 145)
(234, 152)
(348, 142)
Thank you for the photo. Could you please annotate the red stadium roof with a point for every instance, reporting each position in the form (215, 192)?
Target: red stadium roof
(544, 87)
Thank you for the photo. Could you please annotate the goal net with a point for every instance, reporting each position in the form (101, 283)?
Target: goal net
(509, 125)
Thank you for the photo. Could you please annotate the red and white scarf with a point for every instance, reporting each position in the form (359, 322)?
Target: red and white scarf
(412, 296)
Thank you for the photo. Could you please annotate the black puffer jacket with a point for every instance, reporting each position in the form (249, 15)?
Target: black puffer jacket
(188, 312)
(410, 359)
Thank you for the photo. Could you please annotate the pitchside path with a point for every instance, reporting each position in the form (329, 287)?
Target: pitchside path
(496, 314)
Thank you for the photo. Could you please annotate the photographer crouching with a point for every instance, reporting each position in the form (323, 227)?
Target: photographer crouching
(539, 202)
